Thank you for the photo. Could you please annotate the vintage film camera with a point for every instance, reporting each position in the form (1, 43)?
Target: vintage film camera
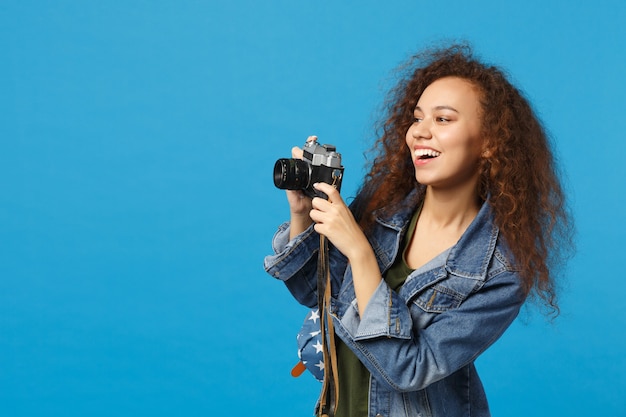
(320, 163)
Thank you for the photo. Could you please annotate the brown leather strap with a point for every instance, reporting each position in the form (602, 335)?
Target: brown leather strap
(330, 388)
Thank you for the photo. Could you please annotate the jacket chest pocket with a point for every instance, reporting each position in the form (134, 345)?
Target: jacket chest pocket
(443, 295)
(438, 299)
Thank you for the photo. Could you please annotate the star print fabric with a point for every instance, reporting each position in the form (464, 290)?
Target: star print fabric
(310, 348)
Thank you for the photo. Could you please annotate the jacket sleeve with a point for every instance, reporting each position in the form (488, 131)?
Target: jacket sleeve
(295, 263)
(407, 346)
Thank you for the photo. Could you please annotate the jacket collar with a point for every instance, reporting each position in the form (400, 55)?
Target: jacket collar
(398, 217)
(470, 256)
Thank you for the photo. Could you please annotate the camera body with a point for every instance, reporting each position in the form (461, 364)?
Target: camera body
(320, 163)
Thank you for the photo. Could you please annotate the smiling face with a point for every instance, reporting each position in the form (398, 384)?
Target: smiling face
(445, 138)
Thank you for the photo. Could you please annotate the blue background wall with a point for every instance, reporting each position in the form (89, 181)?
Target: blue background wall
(136, 200)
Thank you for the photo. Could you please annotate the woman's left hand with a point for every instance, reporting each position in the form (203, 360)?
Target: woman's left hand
(334, 220)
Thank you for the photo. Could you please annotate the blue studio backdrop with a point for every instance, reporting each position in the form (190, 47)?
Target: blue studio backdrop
(137, 140)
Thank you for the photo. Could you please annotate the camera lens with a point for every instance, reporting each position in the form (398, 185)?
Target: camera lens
(291, 174)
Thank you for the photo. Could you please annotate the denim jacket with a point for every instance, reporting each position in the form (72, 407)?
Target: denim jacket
(420, 343)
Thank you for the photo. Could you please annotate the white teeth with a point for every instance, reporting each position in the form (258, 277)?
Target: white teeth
(426, 152)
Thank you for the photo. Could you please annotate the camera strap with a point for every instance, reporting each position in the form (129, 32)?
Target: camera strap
(330, 387)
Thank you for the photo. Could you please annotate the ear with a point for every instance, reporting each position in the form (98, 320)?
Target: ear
(487, 149)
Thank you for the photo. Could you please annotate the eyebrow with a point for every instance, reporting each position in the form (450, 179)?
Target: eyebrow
(438, 108)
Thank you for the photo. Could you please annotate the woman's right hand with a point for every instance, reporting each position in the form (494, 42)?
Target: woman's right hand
(299, 203)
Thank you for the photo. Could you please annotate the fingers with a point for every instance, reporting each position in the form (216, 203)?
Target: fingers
(330, 191)
(295, 194)
(296, 152)
(326, 217)
(333, 218)
(323, 210)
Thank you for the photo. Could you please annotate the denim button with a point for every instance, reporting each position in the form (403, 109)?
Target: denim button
(379, 415)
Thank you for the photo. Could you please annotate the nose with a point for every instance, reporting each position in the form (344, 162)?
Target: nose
(421, 129)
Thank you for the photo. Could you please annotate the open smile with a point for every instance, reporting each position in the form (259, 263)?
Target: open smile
(422, 154)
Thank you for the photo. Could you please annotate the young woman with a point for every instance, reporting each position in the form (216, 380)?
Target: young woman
(460, 218)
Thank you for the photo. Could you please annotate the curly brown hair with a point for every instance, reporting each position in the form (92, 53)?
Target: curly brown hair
(518, 175)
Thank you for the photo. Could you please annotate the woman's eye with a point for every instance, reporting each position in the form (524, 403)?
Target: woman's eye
(442, 119)
(417, 119)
